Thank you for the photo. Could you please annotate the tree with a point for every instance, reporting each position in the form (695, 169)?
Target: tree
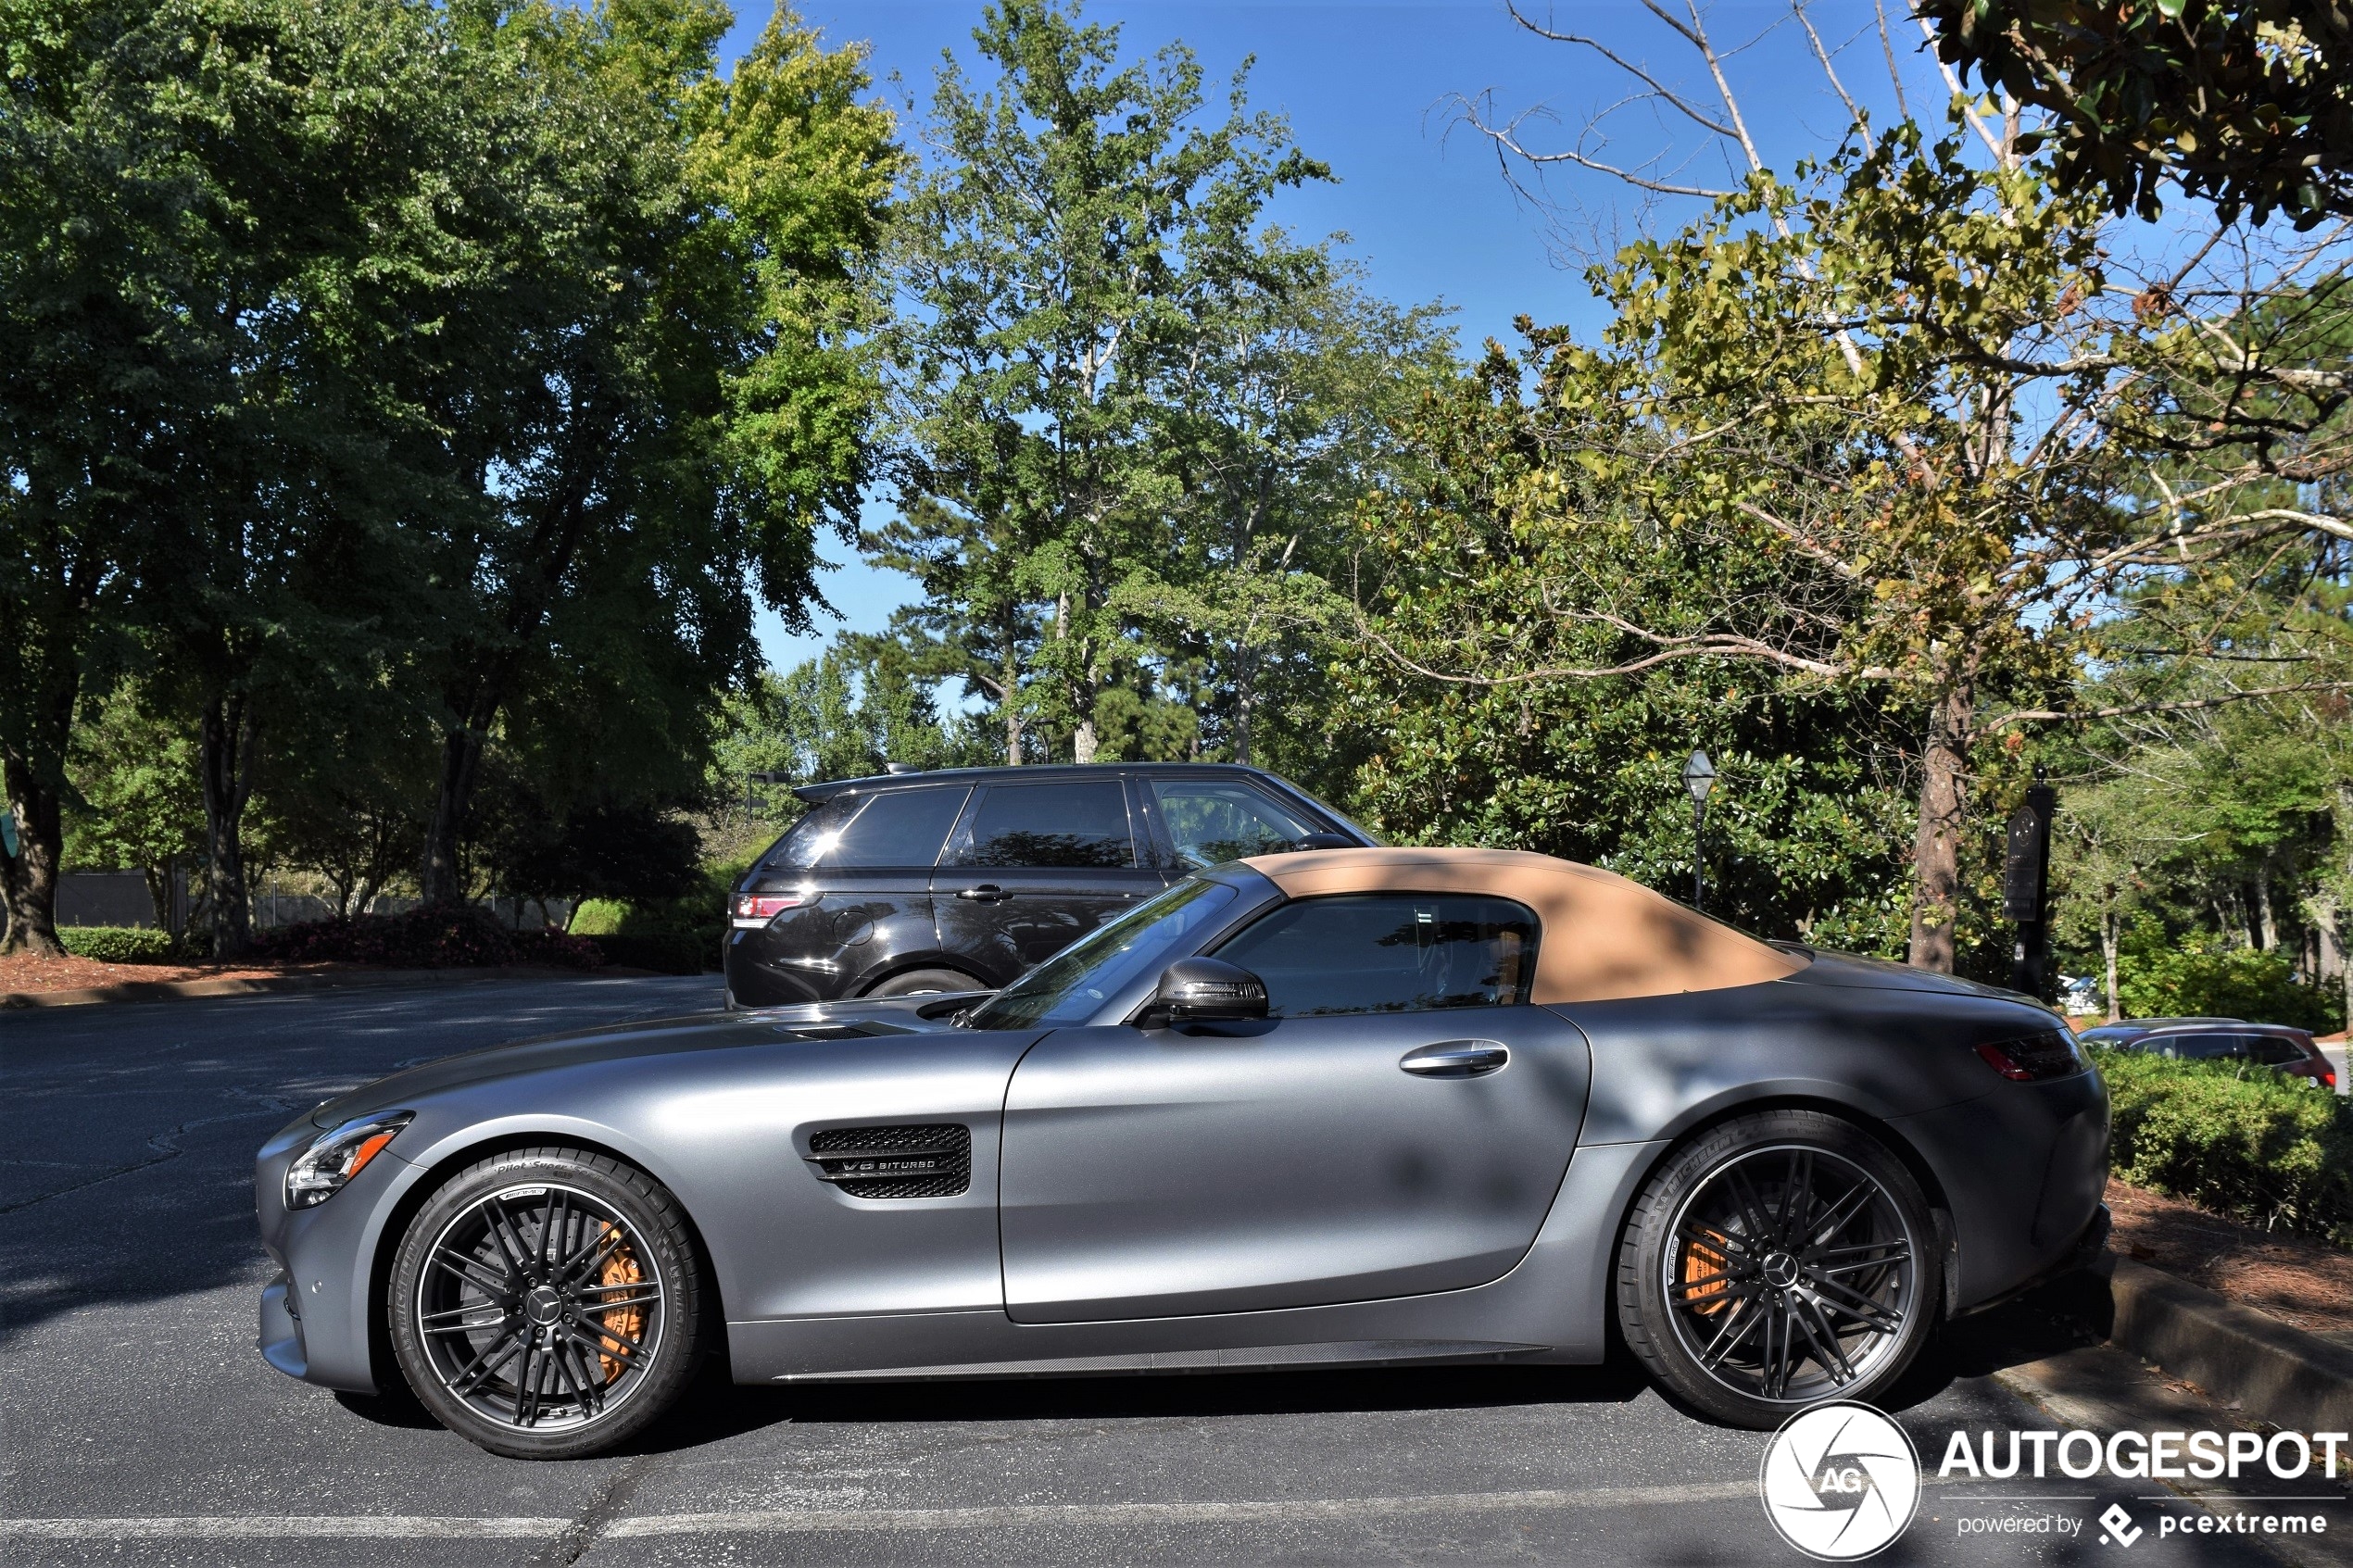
(2246, 103)
(687, 400)
(1479, 574)
(1294, 383)
(1920, 388)
(136, 800)
(1074, 224)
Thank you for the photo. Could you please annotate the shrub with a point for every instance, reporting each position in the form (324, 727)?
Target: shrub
(2226, 983)
(556, 950)
(2235, 1138)
(598, 917)
(123, 944)
(664, 953)
(463, 937)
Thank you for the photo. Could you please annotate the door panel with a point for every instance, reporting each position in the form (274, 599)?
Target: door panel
(1285, 1163)
(1032, 868)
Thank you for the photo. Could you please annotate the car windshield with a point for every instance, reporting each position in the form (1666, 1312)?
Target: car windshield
(1070, 986)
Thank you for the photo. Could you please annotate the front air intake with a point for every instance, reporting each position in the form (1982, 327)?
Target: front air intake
(935, 1161)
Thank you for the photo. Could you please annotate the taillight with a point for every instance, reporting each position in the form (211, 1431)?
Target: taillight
(2051, 1054)
(758, 909)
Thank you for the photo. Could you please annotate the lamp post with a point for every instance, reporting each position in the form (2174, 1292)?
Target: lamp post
(1699, 777)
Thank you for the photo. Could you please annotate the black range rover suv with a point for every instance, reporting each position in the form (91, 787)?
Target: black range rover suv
(960, 880)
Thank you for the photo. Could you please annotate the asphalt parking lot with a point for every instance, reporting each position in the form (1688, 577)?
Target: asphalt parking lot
(137, 1424)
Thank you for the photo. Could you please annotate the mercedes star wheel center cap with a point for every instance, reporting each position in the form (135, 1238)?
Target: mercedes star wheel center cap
(543, 1306)
(1780, 1271)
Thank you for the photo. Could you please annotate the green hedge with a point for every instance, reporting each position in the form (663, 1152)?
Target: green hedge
(2237, 1139)
(123, 944)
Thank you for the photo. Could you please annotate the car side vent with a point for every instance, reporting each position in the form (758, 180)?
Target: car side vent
(928, 1162)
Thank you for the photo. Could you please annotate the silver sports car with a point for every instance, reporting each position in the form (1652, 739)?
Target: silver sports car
(1341, 1107)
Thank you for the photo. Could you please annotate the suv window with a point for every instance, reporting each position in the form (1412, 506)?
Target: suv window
(1215, 819)
(899, 827)
(2202, 1047)
(2273, 1050)
(1389, 952)
(1078, 824)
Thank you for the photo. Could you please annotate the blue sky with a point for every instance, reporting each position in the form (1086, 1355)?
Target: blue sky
(1371, 88)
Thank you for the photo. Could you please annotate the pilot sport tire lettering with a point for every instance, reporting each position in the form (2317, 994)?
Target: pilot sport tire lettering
(1782, 1259)
(925, 983)
(545, 1303)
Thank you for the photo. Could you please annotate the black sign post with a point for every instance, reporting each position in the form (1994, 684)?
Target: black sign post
(2026, 887)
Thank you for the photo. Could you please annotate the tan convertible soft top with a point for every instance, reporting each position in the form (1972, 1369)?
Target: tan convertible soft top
(1604, 936)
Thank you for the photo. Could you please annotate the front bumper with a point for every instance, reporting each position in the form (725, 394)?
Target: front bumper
(316, 1319)
(280, 1337)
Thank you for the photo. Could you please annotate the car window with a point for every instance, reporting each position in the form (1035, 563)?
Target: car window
(1079, 824)
(814, 834)
(2204, 1047)
(1072, 987)
(1389, 952)
(899, 827)
(1215, 820)
(2273, 1050)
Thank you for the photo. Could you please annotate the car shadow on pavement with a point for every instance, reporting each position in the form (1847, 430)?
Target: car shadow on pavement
(2044, 1322)
(716, 1409)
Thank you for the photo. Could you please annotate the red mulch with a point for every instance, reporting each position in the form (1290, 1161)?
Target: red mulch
(25, 972)
(2305, 1283)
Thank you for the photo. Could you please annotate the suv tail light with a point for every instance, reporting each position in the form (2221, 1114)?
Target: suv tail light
(753, 910)
(2030, 1059)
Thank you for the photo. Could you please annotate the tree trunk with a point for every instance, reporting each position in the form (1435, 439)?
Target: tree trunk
(30, 878)
(228, 745)
(158, 881)
(1012, 693)
(1245, 702)
(438, 881)
(2268, 926)
(2108, 955)
(1936, 847)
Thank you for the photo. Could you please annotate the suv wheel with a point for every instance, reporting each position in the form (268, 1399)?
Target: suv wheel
(926, 983)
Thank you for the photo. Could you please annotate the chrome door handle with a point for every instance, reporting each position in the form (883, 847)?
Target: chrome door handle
(1456, 1059)
(987, 892)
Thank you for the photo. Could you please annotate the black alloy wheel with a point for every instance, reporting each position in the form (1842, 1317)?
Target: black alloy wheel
(1783, 1259)
(545, 1303)
(926, 983)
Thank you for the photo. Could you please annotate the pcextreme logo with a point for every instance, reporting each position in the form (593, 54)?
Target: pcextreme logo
(1840, 1481)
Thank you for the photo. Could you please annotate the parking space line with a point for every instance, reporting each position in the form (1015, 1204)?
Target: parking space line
(825, 1521)
(1023, 1515)
(224, 1528)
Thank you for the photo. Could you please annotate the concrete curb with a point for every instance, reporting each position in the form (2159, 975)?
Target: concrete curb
(2297, 1381)
(173, 990)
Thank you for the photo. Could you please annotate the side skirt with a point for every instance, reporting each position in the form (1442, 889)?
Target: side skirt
(1266, 1358)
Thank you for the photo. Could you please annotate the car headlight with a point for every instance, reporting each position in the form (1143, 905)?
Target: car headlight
(335, 1156)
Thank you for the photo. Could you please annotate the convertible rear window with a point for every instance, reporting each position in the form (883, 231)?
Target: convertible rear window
(1389, 952)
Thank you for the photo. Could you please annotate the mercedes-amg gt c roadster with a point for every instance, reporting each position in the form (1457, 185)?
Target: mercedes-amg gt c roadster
(1346, 1107)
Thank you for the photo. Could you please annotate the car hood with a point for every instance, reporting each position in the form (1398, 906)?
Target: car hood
(848, 1021)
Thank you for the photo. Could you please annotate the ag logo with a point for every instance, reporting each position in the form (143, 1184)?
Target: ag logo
(1840, 1481)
